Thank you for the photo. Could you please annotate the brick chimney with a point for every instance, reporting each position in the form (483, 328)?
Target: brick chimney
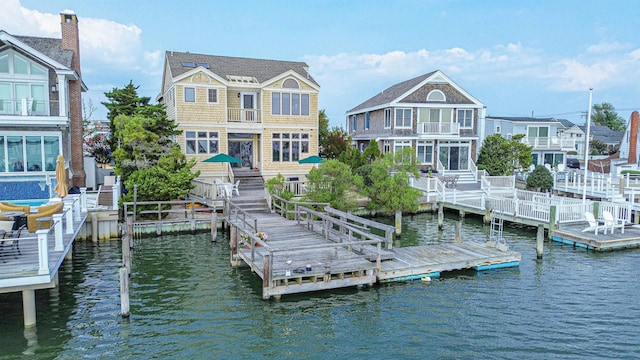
(633, 138)
(71, 41)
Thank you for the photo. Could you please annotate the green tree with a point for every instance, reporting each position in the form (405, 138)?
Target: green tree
(126, 102)
(337, 143)
(598, 147)
(389, 189)
(334, 183)
(540, 179)
(323, 131)
(605, 115)
(372, 152)
(352, 157)
(502, 157)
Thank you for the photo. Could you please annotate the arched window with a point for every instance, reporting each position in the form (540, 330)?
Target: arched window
(290, 84)
(436, 95)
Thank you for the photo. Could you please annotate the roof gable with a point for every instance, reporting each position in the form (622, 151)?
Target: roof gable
(231, 69)
(416, 90)
(47, 50)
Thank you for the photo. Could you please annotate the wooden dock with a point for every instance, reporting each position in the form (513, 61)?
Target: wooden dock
(573, 235)
(315, 250)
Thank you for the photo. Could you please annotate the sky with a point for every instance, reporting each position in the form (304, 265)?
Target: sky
(519, 58)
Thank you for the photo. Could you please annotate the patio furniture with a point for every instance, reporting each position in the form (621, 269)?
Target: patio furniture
(235, 188)
(611, 223)
(43, 211)
(9, 238)
(594, 225)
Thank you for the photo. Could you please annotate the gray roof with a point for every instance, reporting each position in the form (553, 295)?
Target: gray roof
(392, 93)
(522, 119)
(604, 134)
(49, 47)
(222, 66)
(567, 124)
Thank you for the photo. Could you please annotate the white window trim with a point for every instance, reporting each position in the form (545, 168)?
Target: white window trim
(184, 95)
(436, 91)
(462, 126)
(390, 118)
(217, 96)
(395, 122)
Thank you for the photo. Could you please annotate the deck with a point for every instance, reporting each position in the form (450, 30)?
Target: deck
(327, 250)
(41, 254)
(573, 235)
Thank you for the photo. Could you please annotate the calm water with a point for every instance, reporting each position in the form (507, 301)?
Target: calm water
(187, 302)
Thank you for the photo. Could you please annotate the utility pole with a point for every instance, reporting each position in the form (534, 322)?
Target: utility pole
(586, 148)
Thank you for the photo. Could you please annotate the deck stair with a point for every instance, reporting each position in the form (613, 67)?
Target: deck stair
(251, 189)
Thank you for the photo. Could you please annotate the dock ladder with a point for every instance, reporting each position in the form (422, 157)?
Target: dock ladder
(495, 234)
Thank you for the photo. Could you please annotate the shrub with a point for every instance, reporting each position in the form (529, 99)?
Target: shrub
(540, 179)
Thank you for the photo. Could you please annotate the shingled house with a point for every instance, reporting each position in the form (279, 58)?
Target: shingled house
(264, 112)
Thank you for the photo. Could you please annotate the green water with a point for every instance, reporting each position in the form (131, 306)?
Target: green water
(187, 302)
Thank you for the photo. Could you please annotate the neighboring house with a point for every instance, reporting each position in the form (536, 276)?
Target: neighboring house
(40, 109)
(573, 131)
(431, 114)
(609, 137)
(264, 112)
(549, 138)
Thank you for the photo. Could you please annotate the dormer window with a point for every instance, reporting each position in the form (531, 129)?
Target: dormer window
(436, 95)
(290, 84)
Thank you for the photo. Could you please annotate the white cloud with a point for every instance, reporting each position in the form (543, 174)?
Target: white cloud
(607, 47)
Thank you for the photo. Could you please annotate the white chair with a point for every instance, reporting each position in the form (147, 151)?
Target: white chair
(235, 188)
(594, 225)
(611, 223)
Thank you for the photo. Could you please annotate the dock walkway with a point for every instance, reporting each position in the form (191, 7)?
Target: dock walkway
(316, 250)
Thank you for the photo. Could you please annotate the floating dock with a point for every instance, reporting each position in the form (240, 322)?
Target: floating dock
(573, 235)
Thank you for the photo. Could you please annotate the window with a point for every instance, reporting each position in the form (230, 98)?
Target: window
(538, 131)
(201, 142)
(289, 147)
(289, 104)
(425, 152)
(275, 103)
(41, 153)
(403, 118)
(465, 118)
(213, 95)
(554, 159)
(498, 129)
(387, 118)
(436, 95)
(361, 147)
(386, 147)
(189, 94)
(354, 122)
(367, 121)
(4, 63)
(290, 84)
(400, 145)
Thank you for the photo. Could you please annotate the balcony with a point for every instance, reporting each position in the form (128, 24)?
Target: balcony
(243, 115)
(28, 107)
(551, 143)
(438, 128)
(30, 112)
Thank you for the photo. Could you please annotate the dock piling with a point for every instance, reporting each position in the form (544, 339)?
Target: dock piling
(440, 217)
(124, 292)
(539, 241)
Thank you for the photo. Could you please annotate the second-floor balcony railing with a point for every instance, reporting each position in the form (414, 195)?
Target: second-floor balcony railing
(243, 115)
(554, 142)
(438, 128)
(28, 107)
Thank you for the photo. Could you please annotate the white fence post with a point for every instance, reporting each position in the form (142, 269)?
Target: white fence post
(68, 216)
(115, 195)
(57, 228)
(76, 209)
(83, 199)
(43, 252)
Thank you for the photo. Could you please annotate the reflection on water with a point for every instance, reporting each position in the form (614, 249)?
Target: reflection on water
(187, 302)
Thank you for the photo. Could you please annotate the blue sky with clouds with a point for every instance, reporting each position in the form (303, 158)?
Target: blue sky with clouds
(517, 57)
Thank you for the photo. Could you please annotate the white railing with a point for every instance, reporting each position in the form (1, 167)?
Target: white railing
(28, 107)
(62, 224)
(567, 213)
(438, 128)
(243, 115)
(205, 189)
(553, 142)
(440, 168)
(619, 211)
(298, 188)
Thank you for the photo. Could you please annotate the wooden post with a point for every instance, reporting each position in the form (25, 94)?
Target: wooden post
(459, 231)
(94, 227)
(266, 277)
(126, 253)
(398, 222)
(440, 217)
(552, 219)
(487, 216)
(233, 244)
(124, 292)
(214, 225)
(540, 241)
